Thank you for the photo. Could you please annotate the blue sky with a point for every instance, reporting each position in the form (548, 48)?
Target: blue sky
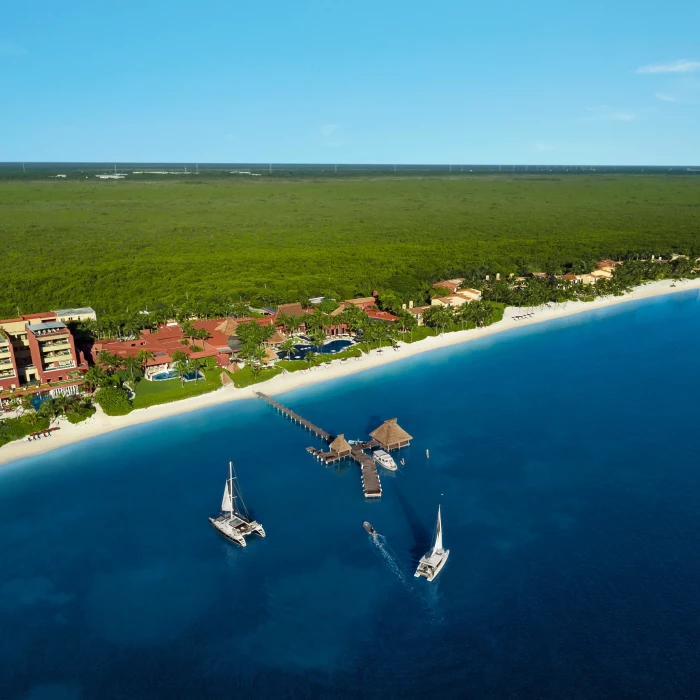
(359, 81)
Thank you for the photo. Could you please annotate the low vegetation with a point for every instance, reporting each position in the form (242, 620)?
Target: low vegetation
(176, 245)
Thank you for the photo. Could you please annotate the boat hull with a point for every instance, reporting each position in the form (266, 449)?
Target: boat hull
(238, 533)
(432, 564)
(369, 528)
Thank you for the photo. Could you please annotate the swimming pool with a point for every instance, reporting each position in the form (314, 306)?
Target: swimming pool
(328, 349)
(172, 374)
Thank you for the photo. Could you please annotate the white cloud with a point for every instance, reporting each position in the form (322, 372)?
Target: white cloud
(603, 113)
(8, 48)
(683, 65)
(665, 97)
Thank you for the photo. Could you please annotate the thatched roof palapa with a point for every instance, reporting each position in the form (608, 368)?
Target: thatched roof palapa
(270, 355)
(341, 446)
(228, 327)
(277, 338)
(295, 309)
(390, 435)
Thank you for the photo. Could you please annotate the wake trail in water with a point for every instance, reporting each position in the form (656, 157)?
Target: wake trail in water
(381, 545)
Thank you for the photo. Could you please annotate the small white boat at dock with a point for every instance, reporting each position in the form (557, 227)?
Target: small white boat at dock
(384, 459)
(232, 523)
(432, 562)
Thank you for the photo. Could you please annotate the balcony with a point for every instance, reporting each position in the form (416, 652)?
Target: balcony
(56, 353)
(5, 363)
(55, 343)
(49, 366)
(5, 373)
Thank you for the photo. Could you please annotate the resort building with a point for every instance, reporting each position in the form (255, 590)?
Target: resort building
(363, 303)
(170, 338)
(608, 265)
(601, 274)
(417, 312)
(453, 284)
(37, 353)
(461, 296)
(376, 315)
(84, 313)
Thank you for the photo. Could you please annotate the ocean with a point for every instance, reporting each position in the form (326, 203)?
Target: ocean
(567, 462)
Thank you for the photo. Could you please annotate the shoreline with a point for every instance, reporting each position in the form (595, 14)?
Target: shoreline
(101, 424)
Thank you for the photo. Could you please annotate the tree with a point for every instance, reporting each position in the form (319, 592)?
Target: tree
(144, 356)
(132, 364)
(318, 337)
(195, 366)
(110, 361)
(203, 334)
(179, 356)
(310, 357)
(114, 401)
(390, 301)
(287, 347)
(96, 377)
(407, 320)
(188, 329)
(439, 317)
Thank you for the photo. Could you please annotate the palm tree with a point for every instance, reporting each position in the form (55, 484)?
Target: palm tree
(203, 334)
(94, 377)
(318, 337)
(287, 347)
(310, 357)
(183, 368)
(439, 317)
(109, 360)
(132, 363)
(143, 356)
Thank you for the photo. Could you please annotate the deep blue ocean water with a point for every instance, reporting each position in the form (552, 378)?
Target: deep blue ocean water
(567, 460)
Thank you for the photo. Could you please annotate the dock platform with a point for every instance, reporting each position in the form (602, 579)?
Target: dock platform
(371, 485)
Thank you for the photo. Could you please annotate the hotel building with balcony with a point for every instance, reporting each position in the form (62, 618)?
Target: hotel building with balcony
(37, 352)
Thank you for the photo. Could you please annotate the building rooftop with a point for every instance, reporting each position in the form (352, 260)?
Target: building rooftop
(47, 327)
(74, 312)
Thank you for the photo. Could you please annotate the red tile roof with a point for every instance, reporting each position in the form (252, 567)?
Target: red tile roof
(381, 315)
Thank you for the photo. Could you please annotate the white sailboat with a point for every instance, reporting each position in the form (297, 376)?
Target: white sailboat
(233, 523)
(432, 562)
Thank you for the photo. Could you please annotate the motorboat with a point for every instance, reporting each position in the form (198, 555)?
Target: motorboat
(369, 528)
(384, 459)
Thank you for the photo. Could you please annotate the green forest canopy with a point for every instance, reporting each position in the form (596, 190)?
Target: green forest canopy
(133, 244)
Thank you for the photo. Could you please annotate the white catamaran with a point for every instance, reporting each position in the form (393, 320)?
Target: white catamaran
(233, 523)
(432, 562)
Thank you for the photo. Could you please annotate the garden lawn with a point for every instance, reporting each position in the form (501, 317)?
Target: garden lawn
(150, 393)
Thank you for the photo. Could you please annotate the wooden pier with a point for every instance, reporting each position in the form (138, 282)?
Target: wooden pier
(295, 417)
(371, 484)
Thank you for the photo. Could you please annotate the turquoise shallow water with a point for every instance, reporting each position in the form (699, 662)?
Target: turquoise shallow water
(566, 457)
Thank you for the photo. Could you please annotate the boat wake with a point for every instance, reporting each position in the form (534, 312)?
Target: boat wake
(381, 545)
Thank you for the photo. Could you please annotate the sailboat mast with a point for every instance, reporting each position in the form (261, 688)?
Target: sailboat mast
(230, 484)
(438, 533)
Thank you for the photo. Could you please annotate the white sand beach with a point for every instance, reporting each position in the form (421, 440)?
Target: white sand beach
(100, 423)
